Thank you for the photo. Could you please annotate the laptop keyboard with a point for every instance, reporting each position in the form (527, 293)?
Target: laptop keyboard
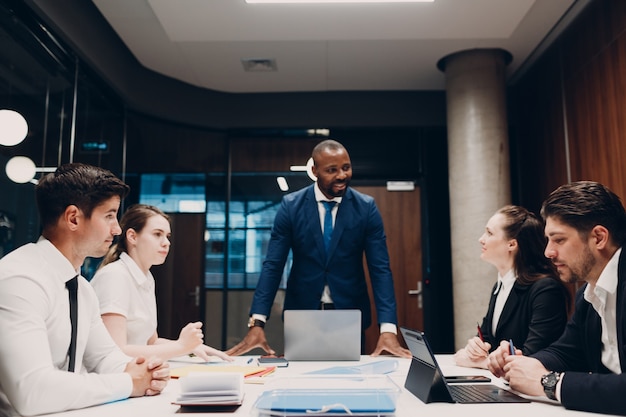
(481, 394)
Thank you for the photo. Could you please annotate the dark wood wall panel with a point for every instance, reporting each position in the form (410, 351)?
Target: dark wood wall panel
(270, 155)
(586, 67)
(161, 146)
(538, 134)
(595, 91)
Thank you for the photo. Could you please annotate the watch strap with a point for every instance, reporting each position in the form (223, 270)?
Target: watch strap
(549, 382)
(253, 322)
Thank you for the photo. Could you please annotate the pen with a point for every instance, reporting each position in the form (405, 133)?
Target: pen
(480, 333)
(512, 346)
(249, 361)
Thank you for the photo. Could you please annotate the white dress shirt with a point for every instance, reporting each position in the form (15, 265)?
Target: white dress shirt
(507, 281)
(122, 288)
(603, 298)
(36, 330)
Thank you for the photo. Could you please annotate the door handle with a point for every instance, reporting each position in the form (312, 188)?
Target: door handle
(196, 295)
(418, 292)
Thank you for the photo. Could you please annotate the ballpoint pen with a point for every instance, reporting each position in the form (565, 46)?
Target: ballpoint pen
(511, 347)
(480, 333)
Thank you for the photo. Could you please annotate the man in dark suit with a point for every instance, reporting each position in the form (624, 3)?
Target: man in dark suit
(585, 369)
(327, 277)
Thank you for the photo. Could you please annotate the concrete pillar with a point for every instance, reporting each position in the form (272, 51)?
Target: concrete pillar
(479, 173)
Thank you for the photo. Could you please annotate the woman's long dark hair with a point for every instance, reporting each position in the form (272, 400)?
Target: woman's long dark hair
(530, 263)
(135, 217)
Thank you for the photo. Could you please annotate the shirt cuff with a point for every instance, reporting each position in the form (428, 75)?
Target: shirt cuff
(388, 328)
(261, 317)
(557, 389)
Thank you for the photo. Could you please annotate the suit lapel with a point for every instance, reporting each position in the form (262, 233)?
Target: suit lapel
(313, 221)
(511, 305)
(621, 309)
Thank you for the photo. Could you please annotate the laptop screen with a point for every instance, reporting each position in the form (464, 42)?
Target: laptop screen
(322, 335)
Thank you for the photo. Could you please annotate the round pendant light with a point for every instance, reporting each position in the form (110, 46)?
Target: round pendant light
(13, 127)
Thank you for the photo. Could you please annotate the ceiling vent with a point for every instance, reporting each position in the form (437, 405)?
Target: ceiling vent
(258, 64)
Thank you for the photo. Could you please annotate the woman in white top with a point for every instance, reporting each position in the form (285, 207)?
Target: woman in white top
(125, 289)
(529, 304)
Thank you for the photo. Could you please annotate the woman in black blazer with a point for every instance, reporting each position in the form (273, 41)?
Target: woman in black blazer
(529, 304)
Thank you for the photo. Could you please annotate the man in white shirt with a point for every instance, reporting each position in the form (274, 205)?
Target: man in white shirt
(78, 207)
(585, 369)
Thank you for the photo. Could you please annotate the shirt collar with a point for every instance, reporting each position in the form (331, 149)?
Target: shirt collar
(319, 195)
(137, 274)
(607, 281)
(59, 264)
(508, 279)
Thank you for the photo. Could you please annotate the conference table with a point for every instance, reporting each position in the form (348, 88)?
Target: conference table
(407, 405)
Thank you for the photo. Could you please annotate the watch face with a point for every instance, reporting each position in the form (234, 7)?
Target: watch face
(549, 380)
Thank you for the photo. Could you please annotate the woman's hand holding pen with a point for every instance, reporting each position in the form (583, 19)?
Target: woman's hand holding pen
(477, 349)
(474, 354)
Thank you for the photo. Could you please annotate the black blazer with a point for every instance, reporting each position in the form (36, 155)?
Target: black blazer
(587, 385)
(533, 316)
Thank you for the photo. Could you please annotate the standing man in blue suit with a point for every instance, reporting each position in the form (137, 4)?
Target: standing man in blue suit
(585, 369)
(323, 278)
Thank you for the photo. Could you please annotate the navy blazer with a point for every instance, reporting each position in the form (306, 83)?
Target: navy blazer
(533, 316)
(587, 384)
(358, 229)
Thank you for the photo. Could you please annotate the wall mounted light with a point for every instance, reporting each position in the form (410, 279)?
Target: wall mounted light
(308, 168)
(13, 127)
(282, 183)
(22, 169)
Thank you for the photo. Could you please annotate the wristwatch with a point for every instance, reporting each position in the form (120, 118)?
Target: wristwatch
(252, 322)
(549, 382)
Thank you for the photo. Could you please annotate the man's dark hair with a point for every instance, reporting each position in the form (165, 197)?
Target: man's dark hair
(82, 185)
(586, 204)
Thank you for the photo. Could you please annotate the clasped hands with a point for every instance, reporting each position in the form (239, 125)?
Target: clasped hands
(149, 376)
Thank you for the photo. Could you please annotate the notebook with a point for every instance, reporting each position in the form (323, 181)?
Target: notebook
(425, 379)
(322, 335)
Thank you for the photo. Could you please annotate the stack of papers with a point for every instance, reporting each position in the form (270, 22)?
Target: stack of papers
(211, 389)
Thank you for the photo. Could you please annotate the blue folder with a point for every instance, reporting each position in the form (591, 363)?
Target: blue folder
(331, 402)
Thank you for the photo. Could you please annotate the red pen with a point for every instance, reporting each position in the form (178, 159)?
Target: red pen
(480, 333)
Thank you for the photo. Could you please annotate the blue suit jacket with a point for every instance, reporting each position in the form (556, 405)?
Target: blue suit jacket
(587, 384)
(358, 229)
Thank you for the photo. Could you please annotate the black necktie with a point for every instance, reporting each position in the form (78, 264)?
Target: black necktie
(72, 287)
(328, 222)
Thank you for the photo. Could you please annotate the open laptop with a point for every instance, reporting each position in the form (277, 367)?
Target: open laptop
(322, 335)
(425, 379)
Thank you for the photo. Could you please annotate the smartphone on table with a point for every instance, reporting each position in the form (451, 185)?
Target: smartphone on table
(272, 360)
(471, 379)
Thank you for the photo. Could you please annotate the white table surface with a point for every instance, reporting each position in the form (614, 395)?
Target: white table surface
(407, 404)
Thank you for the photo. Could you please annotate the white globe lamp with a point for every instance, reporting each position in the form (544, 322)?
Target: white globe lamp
(13, 127)
(20, 169)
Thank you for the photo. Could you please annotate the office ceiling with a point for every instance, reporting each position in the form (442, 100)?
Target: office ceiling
(327, 47)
